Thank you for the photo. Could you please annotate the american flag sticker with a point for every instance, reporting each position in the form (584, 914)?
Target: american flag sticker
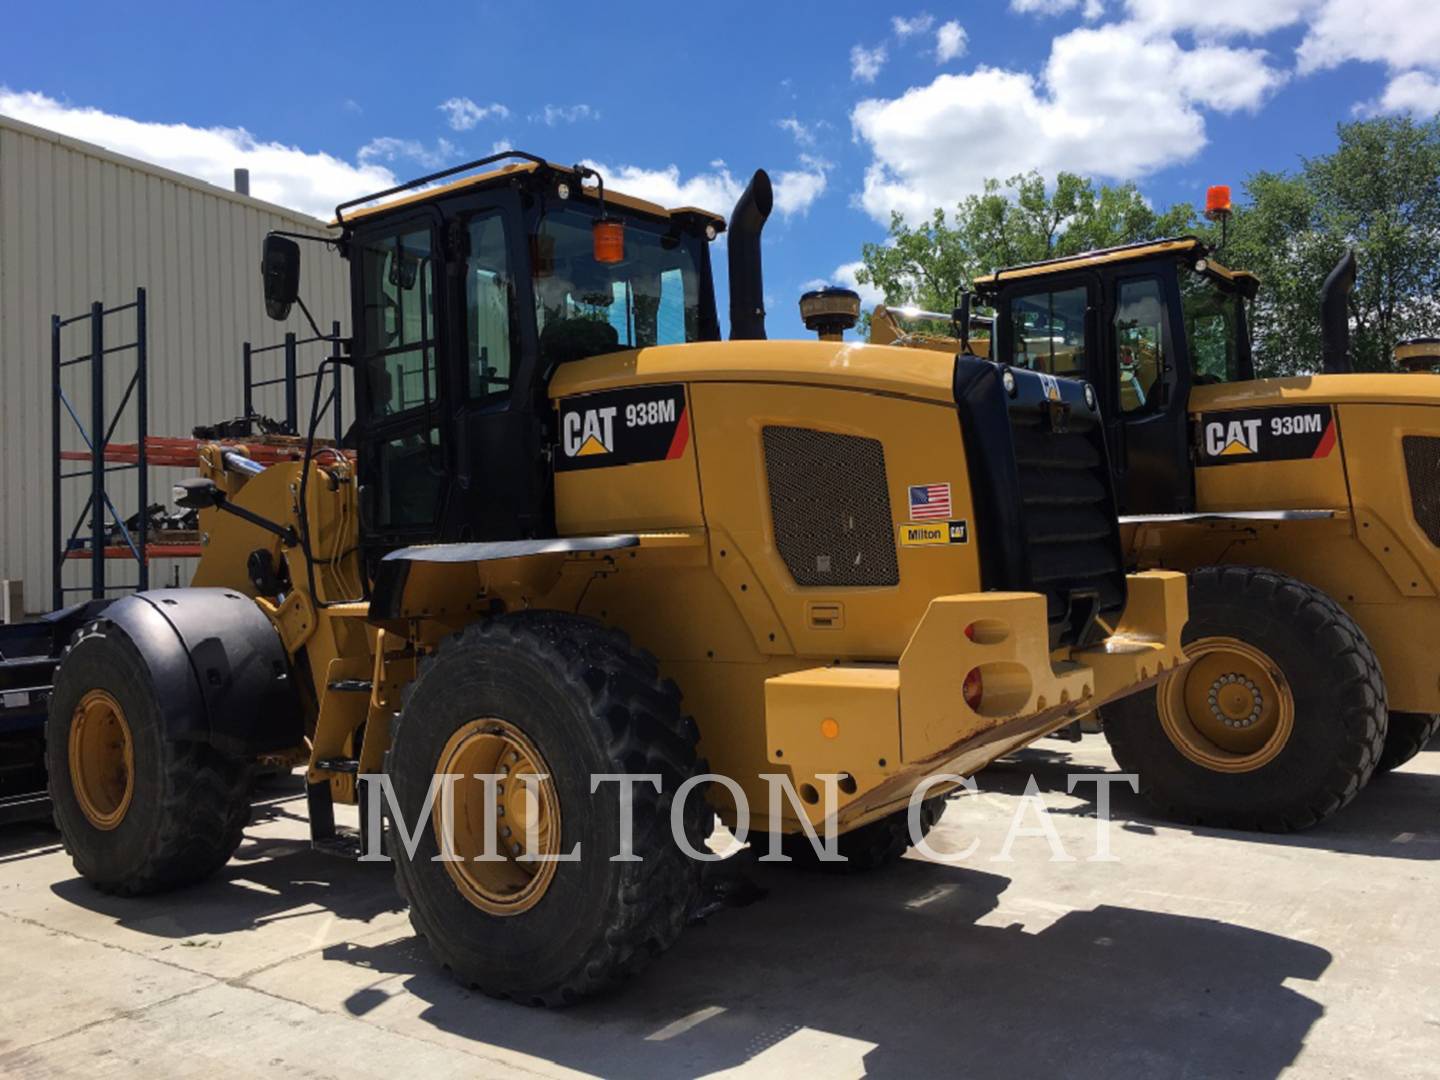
(929, 502)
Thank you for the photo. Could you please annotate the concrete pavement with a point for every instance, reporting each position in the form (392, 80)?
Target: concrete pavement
(1195, 953)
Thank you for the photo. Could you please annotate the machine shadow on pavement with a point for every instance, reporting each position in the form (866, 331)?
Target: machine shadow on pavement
(269, 879)
(907, 970)
(1381, 822)
(896, 964)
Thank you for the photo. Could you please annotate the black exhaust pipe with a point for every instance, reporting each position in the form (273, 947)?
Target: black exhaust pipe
(747, 287)
(1335, 317)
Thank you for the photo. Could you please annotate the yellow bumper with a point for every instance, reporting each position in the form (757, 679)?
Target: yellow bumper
(886, 727)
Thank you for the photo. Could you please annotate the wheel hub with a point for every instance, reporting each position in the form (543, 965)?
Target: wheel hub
(1231, 710)
(1235, 701)
(102, 760)
(498, 840)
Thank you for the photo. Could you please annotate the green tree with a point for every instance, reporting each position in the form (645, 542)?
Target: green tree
(1021, 220)
(1378, 192)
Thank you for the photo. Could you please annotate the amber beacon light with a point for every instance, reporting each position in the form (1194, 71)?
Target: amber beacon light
(1217, 201)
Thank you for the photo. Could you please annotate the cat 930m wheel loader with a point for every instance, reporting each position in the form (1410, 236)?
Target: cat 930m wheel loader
(1305, 512)
(568, 504)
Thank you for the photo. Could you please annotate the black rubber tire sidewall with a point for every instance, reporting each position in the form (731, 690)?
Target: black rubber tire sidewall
(1339, 708)
(189, 805)
(1408, 735)
(536, 956)
(103, 658)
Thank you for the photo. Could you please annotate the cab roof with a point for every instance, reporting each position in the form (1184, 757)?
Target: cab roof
(1179, 247)
(494, 177)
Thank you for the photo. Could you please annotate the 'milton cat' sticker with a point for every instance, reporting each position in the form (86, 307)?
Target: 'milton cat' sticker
(929, 534)
(1283, 433)
(623, 427)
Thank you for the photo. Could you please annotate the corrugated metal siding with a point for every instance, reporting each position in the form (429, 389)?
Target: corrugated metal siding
(79, 224)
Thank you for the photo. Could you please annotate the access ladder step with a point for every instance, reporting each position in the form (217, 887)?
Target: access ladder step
(338, 765)
(353, 686)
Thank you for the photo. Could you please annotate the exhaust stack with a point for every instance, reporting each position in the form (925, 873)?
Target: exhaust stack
(747, 287)
(1335, 317)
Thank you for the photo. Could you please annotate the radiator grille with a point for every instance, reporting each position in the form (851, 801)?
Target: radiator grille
(830, 506)
(1069, 521)
(1422, 465)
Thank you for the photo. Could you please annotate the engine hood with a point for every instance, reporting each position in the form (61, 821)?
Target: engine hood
(881, 369)
(1376, 388)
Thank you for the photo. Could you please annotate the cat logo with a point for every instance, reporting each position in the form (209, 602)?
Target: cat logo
(590, 432)
(1274, 433)
(1232, 438)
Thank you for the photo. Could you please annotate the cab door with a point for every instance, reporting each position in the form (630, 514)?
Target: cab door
(1145, 384)
(499, 414)
(399, 311)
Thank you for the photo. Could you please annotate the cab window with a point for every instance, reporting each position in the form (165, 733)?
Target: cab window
(1141, 337)
(1212, 328)
(397, 281)
(492, 341)
(583, 307)
(409, 480)
(1047, 331)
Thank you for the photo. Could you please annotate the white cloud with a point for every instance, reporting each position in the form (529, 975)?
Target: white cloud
(1218, 18)
(951, 41)
(1111, 102)
(565, 114)
(844, 275)
(1090, 9)
(795, 189)
(1413, 92)
(865, 63)
(715, 191)
(803, 134)
(311, 182)
(388, 149)
(916, 24)
(1402, 34)
(462, 114)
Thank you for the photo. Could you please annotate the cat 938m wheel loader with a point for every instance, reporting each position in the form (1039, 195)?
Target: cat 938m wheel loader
(568, 504)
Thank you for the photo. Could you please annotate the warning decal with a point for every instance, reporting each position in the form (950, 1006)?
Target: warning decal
(623, 427)
(1283, 433)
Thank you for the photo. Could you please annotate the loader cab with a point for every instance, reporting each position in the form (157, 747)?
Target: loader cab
(465, 300)
(1143, 324)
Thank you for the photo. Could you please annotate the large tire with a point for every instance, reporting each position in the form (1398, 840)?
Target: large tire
(586, 702)
(870, 847)
(1299, 775)
(1408, 735)
(179, 810)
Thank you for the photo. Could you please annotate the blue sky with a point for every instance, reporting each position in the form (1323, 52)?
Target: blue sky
(855, 109)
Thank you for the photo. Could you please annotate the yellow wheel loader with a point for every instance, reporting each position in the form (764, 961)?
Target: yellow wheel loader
(587, 576)
(1305, 511)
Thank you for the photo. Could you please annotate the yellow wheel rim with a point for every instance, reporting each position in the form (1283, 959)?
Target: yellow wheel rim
(102, 760)
(516, 820)
(1231, 709)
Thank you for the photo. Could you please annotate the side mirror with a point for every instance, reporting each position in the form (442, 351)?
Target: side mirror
(197, 493)
(280, 275)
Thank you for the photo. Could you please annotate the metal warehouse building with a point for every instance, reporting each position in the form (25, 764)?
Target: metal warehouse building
(79, 224)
